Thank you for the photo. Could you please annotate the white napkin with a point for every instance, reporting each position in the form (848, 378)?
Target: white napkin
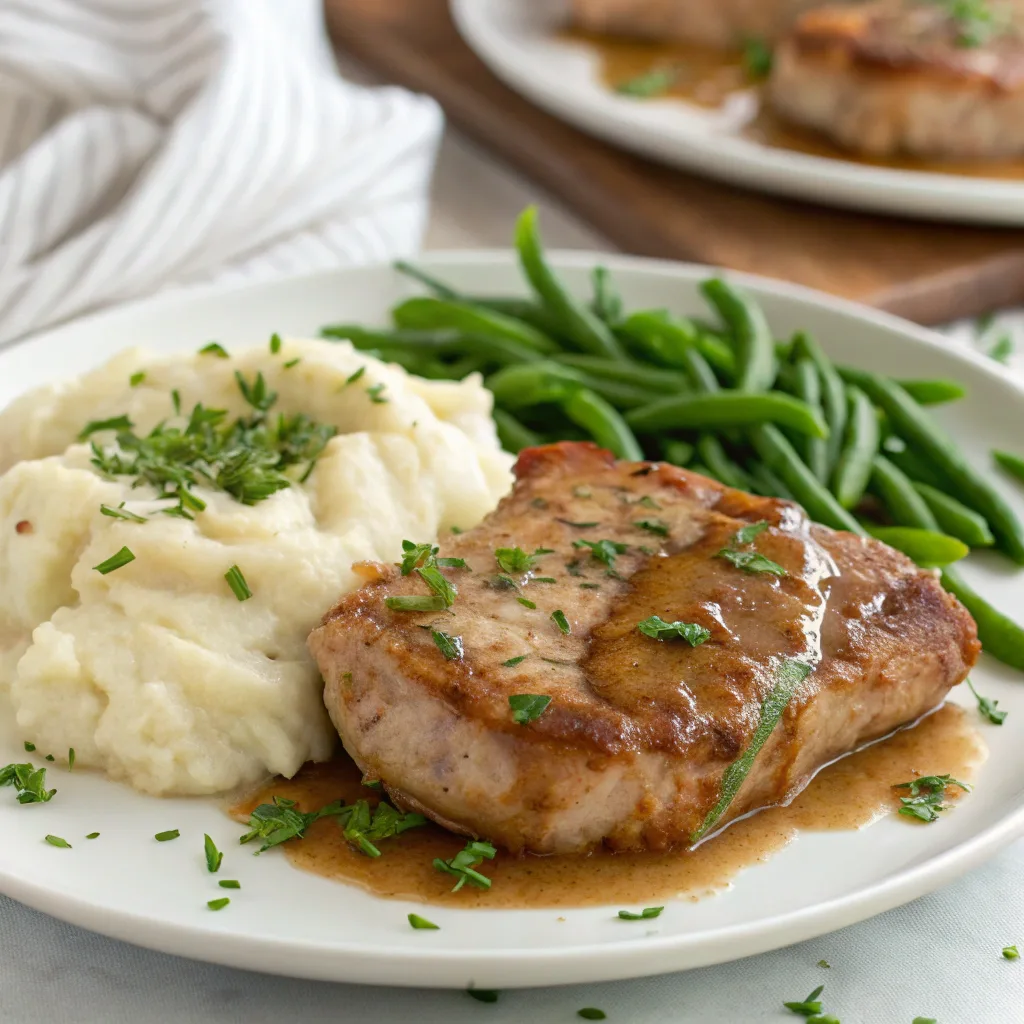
(148, 143)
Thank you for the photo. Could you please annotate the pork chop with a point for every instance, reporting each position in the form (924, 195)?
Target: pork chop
(906, 77)
(632, 748)
(723, 24)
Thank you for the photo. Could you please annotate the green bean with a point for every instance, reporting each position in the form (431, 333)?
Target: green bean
(922, 434)
(425, 313)
(679, 453)
(665, 340)
(535, 383)
(1013, 464)
(853, 470)
(727, 409)
(833, 393)
(781, 458)
(626, 371)
(513, 435)
(701, 470)
(956, 519)
(755, 345)
(916, 468)
(925, 547)
(603, 423)
(607, 304)
(702, 377)
(933, 392)
(904, 504)
(807, 387)
(578, 323)
(713, 454)
(439, 288)
(767, 483)
(1000, 636)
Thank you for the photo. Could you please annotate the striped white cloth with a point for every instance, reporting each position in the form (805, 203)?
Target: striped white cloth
(150, 143)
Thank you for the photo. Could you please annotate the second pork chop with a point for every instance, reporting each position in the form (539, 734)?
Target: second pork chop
(635, 747)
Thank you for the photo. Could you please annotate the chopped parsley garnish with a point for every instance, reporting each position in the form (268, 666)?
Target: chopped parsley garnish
(648, 502)
(50, 757)
(354, 376)
(483, 995)
(236, 581)
(757, 58)
(1002, 350)
(93, 835)
(422, 924)
(277, 822)
(449, 646)
(512, 662)
(219, 904)
(591, 1013)
(438, 583)
(292, 362)
(363, 827)
(176, 401)
(275, 343)
(527, 707)
(375, 391)
(165, 837)
(512, 560)
(121, 513)
(28, 781)
(414, 555)
(927, 796)
(789, 675)
(463, 865)
(808, 1007)
(371, 783)
(95, 426)
(987, 707)
(658, 629)
(136, 379)
(213, 855)
(229, 883)
(71, 758)
(590, 586)
(115, 561)
(559, 619)
(603, 550)
(1011, 953)
(824, 963)
(975, 21)
(645, 915)
(747, 534)
(653, 526)
(650, 84)
(577, 526)
(452, 563)
(544, 579)
(415, 603)
(527, 603)
(924, 1020)
(58, 842)
(214, 348)
(573, 568)
(752, 561)
(29, 747)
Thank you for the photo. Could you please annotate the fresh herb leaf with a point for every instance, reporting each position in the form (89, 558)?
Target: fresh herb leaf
(449, 646)
(648, 502)
(275, 343)
(757, 58)
(370, 783)
(577, 526)
(789, 675)
(645, 915)
(57, 841)
(463, 865)
(214, 348)
(925, 1020)
(751, 561)
(416, 603)
(438, 583)
(292, 362)
(527, 603)
(544, 579)
(50, 757)
(115, 561)
(213, 855)
(93, 835)
(747, 534)
(29, 747)
(559, 619)
(29, 783)
(255, 392)
(527, 707)
(927, 796)
(512, 662)
(513, 560)
(165, 837)
(121, 513)
(452, 563)
(236, 581)
(364, 828)
(229, 883)
(592, 1013)
(1011, 953)
(422, 924)
(415, 555)
(354, 376)
(136, 379)
(176, 401)
(652, 83)
(1002, 350)
(573, 568)
(658, 629)
(987, 707)
(114, 423)
(590, 586)
(483, 995)
(375, 391)
(602, 550)
(219, 904)
(71, 758)
(277, 822)
(653, 526)
(807, 1007)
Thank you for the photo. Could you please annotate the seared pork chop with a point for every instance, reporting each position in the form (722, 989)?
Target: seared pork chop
(723, 24)
(906, 76)
(631, 750)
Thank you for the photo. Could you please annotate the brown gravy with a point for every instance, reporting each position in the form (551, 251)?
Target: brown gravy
(710, 77)
(849, 794)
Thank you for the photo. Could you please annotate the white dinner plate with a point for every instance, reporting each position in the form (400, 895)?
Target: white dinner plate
(519, 40)
(126, 885)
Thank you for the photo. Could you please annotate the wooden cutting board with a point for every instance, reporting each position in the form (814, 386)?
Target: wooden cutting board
(931, 273)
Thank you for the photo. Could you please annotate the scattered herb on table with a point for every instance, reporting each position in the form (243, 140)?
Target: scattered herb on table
(230, 883)
(824, 963)
(28, 781)
(658, 629)
(527, 707)
(1011, 953)
(592, 1013)
(927, 796)
(219, 904)
(483, 995)
(463, 865)
(93, 835)
(808, 1007)
(62, 844)
(166, 837)
(214, 857)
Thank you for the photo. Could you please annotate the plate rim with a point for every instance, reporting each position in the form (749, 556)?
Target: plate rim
(924, 195)
(617, 960)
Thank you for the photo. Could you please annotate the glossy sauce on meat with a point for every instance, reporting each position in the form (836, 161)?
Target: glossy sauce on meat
(852, 793)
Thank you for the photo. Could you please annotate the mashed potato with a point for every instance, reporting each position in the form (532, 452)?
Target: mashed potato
(156, 672)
